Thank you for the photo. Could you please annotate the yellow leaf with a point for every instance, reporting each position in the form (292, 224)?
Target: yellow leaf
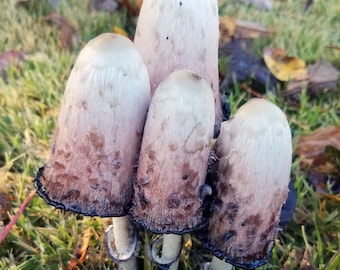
(227, 29)
(284, 67)
(120, 31)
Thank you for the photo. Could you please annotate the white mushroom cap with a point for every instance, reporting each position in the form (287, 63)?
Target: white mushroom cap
(184, 34)
(254, 150)
(99, 129)
(169, 188)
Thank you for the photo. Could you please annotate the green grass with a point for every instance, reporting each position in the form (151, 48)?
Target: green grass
(29, 106)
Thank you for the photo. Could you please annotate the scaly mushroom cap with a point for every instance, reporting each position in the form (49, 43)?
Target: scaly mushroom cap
(99, 129)
(173, 35)
(169, 188)
(254, 150)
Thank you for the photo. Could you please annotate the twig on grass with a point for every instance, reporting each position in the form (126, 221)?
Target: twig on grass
(17, 215)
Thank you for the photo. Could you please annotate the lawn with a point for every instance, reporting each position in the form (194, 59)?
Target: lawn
(30, 97)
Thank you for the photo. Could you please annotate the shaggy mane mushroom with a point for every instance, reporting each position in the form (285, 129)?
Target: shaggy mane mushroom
(99, 129)
(254, 151)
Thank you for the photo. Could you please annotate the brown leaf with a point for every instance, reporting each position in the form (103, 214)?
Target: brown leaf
(322, 75)
(231, 28)
(68, 35)
(246, 29)
(79, 254)
(284, 67)
(293, 260)
(311, 149)
(306, 263)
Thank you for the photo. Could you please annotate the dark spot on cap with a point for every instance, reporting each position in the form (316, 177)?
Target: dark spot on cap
(71, 195)
(116, 163)
(172, 147)
(151, 155)
(138, 134)
(94, 184)
(173, 200)
(232, 211)
(96, 139)
(144, 181)
(196, 76)
(58, 166)
(218, 205)
(252, 220)
(229, 235)
(83, 104)
(185, 177)
(149, 170)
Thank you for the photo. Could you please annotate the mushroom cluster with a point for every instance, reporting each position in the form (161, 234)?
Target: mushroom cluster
(134, 139)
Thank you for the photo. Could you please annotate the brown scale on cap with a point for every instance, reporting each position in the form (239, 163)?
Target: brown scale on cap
(93, 153)
(174, 155)
(254, 150)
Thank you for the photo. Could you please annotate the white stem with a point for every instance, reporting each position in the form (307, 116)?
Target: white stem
(121, 242)
(130, 264)
(217, 264)
(172, 245)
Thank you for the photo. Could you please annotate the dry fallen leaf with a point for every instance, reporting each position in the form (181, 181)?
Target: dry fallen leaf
(79, 254)
(68, 36)
(322, 75)
(247, 29)
(231, 28)
(306, 262)
(320, 157)
(284, 67)
(311, 149)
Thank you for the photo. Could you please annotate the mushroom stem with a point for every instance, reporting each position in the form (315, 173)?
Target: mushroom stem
(217, 264)
(121, 240)
(171, 248)
(171, 245)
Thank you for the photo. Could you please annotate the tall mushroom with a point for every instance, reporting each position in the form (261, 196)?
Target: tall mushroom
(169, 188)
(184, 34)
(99, 129)
(254, 151)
